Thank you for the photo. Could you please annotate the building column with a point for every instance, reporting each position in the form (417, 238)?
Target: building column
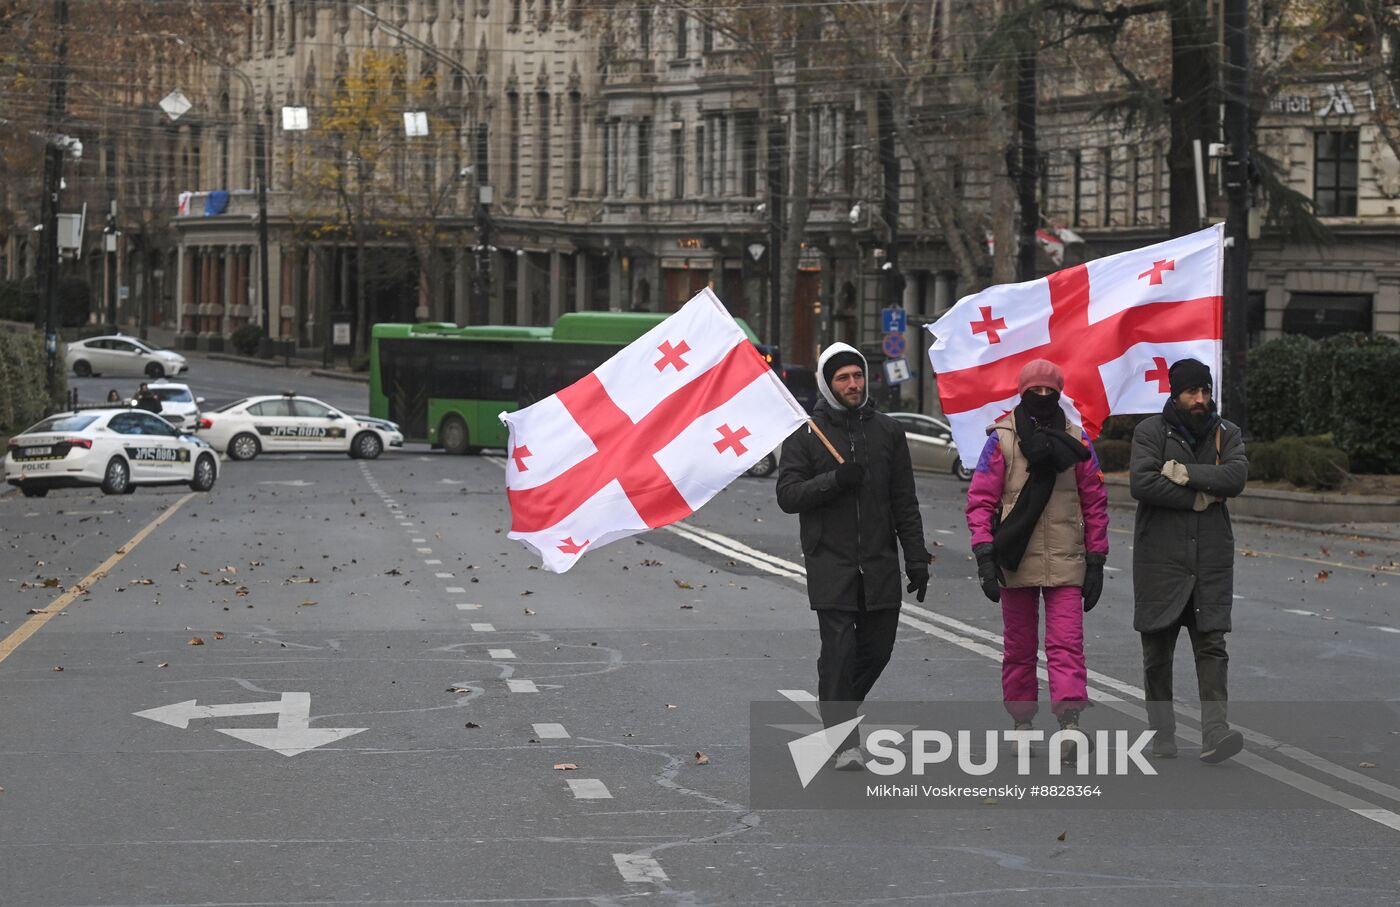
(274, 290)
(731, 157)
(227, 286)
(1385, 311)
(581, 300)
(556, 285)
(617, 276)
(524, 311)
(185, 318)
(498, 287)
(315, 309)
(461, 287)
(631, 131)
(1275, 301)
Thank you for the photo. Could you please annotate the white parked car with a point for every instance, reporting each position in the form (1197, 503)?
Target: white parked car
(116, 449)
(287, 423)
(122, 355)
(178, 404)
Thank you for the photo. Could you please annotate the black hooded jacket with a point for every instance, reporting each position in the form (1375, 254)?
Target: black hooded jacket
(851, 534)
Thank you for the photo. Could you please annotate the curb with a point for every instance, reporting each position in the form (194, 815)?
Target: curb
(311, 367)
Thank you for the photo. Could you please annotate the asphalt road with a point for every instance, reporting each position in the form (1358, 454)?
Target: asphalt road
(383, 599)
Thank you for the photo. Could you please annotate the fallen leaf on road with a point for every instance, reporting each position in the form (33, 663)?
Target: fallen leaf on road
(229, 569)
(669, 706)
(393, 571)
(1322, 575)
(218, 634)
(52, 582)
(1248, 553)
(163, 664)
(682, 584)
(526, 592)
(58, 667)
(459, 689)
(565, 767)
(306, 603)
(300, 580)
(471, 724)
(36, 611)
(701, 758)
(1061, 836)
(195, 641)
(528, 610)
(1366, 765)
(177, 568)
(687, 607)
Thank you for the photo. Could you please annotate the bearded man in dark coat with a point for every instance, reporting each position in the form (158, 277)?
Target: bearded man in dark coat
(1186, 463)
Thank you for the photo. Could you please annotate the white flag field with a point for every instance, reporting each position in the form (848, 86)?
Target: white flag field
(645, 440)
(1114, 326)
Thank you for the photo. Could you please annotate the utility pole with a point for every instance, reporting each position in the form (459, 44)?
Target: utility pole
(53, 183)
(1237, 189)
(889, 203)
(1028, 168)
(483, 254)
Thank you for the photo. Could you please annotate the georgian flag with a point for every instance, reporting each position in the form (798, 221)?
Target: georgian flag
(646, 439)
(1113, 326)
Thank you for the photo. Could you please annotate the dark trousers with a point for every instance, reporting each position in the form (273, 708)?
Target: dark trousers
(856, 646)
(1212, 673)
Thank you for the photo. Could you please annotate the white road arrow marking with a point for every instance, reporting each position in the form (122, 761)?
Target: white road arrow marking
(292, 735)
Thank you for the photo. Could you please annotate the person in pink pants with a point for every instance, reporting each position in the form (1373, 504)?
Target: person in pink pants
(1038, 514)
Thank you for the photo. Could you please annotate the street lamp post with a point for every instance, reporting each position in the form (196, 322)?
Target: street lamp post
(260, 177)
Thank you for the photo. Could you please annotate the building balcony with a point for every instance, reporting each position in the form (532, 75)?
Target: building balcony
(629, 74)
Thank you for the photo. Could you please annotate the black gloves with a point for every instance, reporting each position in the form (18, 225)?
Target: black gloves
(1093, 580)
(918, 579)
(988, 573)
(850, 475)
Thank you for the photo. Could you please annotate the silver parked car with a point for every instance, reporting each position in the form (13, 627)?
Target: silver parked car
(931, 444)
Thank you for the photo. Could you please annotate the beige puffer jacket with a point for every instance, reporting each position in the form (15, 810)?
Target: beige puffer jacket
(1055, 554)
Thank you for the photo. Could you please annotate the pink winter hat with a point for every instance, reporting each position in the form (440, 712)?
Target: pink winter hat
(1040, 373)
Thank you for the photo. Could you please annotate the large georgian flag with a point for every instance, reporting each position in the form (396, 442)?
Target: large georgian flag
(1113, 326)
(647, 439)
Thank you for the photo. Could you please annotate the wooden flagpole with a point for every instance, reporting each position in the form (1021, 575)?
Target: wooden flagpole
(830, 449)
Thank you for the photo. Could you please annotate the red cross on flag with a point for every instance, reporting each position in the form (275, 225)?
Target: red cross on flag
(1112, 325)
(646, 439)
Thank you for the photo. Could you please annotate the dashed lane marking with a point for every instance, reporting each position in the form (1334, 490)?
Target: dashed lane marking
(548, 731)
(455, 590)
(423, 550)
(522, 686)
(1300, 611)
(433, 562)
(503, 654)
(484, 628)
(443, 575)
(635, 868)
(1386, 629)
(468, 606)
(589, 789)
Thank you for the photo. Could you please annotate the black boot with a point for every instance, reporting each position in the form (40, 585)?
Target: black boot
(1069, 721)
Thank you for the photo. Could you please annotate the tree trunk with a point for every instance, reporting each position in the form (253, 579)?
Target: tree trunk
(799, 195)
(1193, 82)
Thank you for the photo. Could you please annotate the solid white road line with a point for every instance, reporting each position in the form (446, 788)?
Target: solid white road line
(443, 575)
(549, 731)
(1387, 629)
(636, 868)
(522, 686)
(484, 628)
(454, 590)
(504, 654)
(797, 695)
(955, 634)
(589, 789)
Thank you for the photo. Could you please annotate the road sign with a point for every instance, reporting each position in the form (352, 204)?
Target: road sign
(896, 371)
(894, 320)
(292, 735)
(123, 293)
(893, 345)
(340, 333)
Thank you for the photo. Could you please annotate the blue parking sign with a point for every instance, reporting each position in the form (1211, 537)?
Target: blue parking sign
(894, 320)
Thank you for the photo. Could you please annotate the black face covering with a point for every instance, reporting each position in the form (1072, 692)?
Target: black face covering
(1041, 407)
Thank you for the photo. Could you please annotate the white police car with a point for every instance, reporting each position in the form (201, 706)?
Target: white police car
(116, 449)
(288, 423)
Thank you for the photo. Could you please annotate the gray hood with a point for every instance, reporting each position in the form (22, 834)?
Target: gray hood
(825, 389)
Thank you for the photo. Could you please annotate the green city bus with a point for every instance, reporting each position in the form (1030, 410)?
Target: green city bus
(446, 385)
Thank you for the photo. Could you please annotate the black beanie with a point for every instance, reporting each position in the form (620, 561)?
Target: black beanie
(1188, 373)
(839, 361)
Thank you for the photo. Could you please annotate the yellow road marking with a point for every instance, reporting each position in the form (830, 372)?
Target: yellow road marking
(41, 617)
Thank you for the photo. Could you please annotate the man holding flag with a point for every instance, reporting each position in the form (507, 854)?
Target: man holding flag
(850, 480)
